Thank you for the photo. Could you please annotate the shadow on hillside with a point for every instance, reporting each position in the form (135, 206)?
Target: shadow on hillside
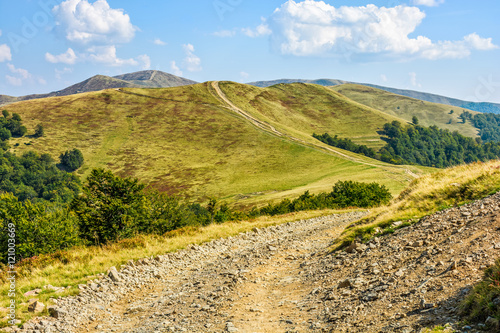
(436, 316)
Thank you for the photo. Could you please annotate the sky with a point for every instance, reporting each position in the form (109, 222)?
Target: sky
(446, 47)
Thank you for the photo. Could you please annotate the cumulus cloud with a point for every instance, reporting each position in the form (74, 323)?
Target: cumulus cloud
(314, 28)
(107, 55)
(429, 3)
(5, 54)
(60, 72)
(244, 76)
(175, 69)
(158, 41)
(261, 30)
(192, 62)
(69, 57)
(20, 75)
(93, 23)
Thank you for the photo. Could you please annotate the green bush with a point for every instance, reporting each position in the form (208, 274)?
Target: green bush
(110, 208)
(72, 159)
(40, 228)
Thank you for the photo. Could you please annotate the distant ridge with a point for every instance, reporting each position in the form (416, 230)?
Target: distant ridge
(433, 98)
(142, 79)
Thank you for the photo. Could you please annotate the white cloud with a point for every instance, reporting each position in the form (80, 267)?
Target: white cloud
(23, 73)
(175, 69)
(5, 54)
(69, 57)
(107, 55)
(20, 75)
(192, 62)
(314, 28)
(42, 81)
(15, 81)
(413, 80)
(224, 33)
(383, 77)
(93, 23)
(145, 60)
(429, 3)
(158, 41)
(261, 30)
(479, 43)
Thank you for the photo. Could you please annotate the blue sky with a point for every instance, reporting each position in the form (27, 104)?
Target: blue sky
(447, 47)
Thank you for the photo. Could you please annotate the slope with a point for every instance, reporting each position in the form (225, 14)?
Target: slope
(429, 114)
(303, 109)
(433, 98)
(185, 141)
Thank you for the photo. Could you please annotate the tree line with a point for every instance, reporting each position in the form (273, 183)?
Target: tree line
(426, 146)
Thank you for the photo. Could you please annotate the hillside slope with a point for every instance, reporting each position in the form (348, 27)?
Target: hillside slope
(429, 114)
(186, 141)
(155, 79)
(428, 97)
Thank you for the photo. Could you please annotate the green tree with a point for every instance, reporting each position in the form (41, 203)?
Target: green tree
(72, 159)
(110, 208)
(5, 134)
(5, 113)
(414, 120)
(39, 131)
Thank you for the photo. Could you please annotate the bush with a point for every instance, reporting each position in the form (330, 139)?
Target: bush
(39, 228)
(110, 208)
(72, 159)
(362, 195)
(39, 131)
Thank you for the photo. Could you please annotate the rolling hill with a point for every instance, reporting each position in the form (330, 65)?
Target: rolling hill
(192, 142)
(144, 79)
(428, 113)
(433, 98)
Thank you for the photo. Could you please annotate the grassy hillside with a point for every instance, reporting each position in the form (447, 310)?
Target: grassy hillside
(185, 142)
(303, 109)
(405, 107)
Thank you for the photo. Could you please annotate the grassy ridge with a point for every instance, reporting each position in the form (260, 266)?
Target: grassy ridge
(429, 114)
(185, 142)
(303, 109)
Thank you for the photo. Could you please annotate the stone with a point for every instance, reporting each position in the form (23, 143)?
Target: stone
(57, 312)
(351, 248)
(32, 292)
(36, 307)
(345, 284)
(113, 274)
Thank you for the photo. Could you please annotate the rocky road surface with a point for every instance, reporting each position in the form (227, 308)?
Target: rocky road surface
(284, 279)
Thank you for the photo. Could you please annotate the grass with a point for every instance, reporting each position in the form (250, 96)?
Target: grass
(429, 114)
(484, 301)
(80, 265)
(184, 142)
(427, 195)
(439, 329)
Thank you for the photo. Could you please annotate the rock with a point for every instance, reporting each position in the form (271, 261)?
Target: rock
(32, 292)
(351, 248)
(113, 274)
(36, 307)
(345, 284)
(56, 312)
(492, 322)
(397, 224)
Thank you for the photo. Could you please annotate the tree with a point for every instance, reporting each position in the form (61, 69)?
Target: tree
(5, 134)
(39, 132)
(110, 208)
(5, 113)
(452, 112)
(72, 159)
(16, 117)
(414, 120)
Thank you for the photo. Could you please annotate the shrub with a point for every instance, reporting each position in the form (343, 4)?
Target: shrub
(39, 228)
(72, 159)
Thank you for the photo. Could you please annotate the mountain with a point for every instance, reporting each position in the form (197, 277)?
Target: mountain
(241, 143)
(155, 79)
(144, 79)
(474, 106)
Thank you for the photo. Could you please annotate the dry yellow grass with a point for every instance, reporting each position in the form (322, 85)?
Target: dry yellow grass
(429, 194)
